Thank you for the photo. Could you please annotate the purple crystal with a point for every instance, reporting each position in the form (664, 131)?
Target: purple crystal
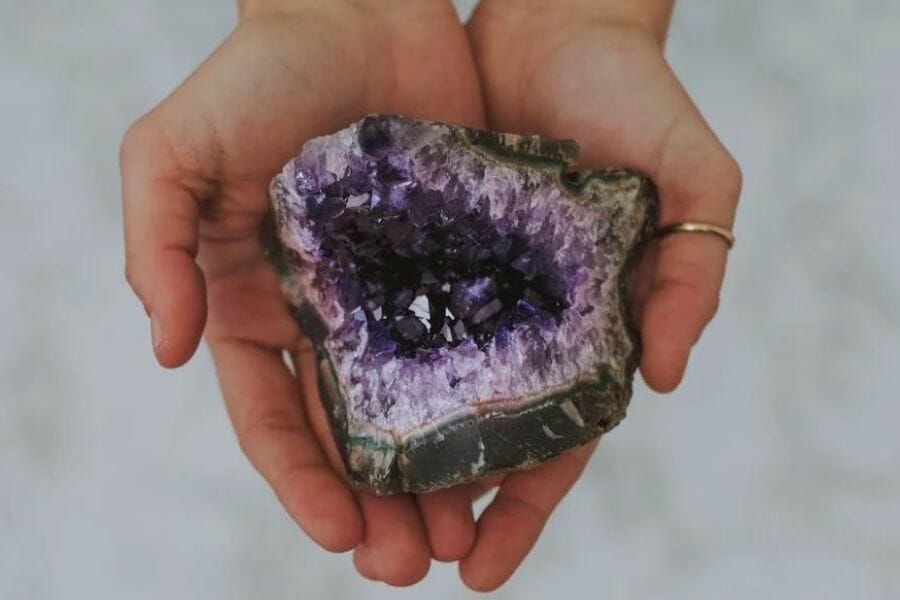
(440, 270)
(420, 242)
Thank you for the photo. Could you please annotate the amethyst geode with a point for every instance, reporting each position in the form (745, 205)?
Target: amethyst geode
(466, 294)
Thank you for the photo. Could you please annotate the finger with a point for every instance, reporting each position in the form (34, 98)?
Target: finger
(698, 181)
(683, 299)
(509, 527)
(395, 549)
(265, 408)
(449, 524)
(160, 244)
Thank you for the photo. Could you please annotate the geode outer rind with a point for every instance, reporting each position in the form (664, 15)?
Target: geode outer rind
(485, 433)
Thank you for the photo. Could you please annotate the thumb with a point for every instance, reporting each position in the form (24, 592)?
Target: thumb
(161, 217)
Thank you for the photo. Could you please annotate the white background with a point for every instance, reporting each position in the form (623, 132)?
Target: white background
(774, 472)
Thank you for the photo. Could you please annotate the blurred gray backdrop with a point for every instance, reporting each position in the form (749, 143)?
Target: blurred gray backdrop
(774, 472)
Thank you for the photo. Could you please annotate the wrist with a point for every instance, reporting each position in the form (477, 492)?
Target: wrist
(650, 17)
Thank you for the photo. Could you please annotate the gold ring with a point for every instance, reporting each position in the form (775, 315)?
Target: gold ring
(696, 227)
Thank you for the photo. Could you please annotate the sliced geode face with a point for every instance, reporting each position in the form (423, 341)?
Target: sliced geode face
(466, 296)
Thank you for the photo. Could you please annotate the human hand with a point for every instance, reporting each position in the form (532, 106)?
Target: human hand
(195, 175)
(584, 69)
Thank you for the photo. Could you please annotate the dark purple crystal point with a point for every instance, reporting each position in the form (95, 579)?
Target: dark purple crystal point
(465, 294)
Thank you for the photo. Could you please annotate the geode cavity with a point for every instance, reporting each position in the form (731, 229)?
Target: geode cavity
(466, 295)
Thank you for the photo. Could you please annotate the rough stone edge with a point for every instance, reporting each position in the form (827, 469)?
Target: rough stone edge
(476, 442)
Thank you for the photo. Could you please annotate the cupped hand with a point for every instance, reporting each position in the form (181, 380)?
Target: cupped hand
(567, 69)
(195, 176)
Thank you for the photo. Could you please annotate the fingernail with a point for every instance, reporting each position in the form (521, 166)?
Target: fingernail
(156, 334)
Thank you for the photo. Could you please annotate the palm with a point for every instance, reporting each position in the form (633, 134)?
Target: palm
(610, 88)
(276, 82)
(196, 170)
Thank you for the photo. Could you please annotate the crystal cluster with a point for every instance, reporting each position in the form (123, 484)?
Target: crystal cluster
(465, 294)
(421, 273)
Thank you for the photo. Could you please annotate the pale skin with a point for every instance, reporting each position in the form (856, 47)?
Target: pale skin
(195, 171)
